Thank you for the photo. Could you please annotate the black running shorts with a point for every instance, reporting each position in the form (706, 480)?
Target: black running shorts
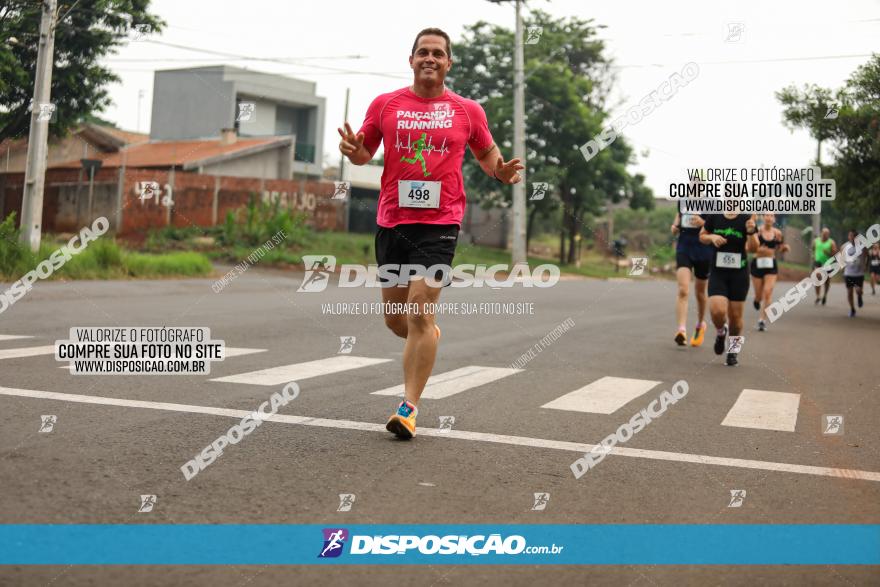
(416, 244)
(760, 273)
(688, 258)
(733, 284)
(854, 281)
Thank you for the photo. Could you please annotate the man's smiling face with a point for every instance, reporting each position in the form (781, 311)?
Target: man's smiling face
(430, 62)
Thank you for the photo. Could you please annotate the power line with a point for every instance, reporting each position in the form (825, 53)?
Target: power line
(752, 61)
(261, 73)
(69, 10)
(402, 75)
(123, 59)
(294, 60)
(290, 61)
(629, 33)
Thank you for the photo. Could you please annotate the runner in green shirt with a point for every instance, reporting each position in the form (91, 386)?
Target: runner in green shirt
(824, 248)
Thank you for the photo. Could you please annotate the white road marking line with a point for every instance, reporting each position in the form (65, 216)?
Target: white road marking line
(30, 351)
(658, 455)
(238, 352)
(603, 396)
(300, 371)
(767, 410)
(455, 381)
(12, 336)
(230, 352)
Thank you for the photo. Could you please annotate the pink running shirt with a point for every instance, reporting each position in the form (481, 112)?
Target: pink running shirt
(431, 133)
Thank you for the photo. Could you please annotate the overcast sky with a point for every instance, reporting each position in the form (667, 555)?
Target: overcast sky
(726, 116)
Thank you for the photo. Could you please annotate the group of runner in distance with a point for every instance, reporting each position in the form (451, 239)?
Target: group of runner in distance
(714, 248)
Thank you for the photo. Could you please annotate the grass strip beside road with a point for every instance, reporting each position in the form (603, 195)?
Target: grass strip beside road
(189, 252)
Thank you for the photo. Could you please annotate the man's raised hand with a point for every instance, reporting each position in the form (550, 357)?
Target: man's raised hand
(351, 143)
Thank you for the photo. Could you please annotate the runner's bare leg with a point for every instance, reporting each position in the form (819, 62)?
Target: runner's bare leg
(396, 322)
(769, 284)
(683, 276)
(718, 310)
(735, 317)
(421, 340)
(758, 286)
(700, 288)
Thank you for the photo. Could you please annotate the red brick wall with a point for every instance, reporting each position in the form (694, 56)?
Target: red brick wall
(192, 194)
(139, 215)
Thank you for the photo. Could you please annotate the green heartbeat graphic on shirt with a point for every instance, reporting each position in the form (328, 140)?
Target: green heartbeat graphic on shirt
(729, 232)
(419, 146)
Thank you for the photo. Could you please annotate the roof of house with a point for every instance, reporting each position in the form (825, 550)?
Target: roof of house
(98, 135)
(186, 154)
(121, 137)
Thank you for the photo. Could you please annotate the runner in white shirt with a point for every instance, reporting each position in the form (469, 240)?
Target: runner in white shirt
(856, 260)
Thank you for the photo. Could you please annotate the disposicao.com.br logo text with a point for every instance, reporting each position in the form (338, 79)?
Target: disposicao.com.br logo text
(477, 545)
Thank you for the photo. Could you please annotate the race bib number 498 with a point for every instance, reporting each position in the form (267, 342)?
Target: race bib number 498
(418, 194)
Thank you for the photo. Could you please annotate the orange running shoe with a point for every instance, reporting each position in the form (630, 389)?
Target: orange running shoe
(438, 331)
(699, 335)
(403, 422)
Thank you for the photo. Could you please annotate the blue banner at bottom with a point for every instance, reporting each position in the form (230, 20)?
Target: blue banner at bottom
(474, 544)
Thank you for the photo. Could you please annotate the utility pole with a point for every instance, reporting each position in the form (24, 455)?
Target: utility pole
(35, 173)
(342, 175)
(344, 119)
(519, 144)
(91, 165)
(518, 253)
(817, 218)
(140, 98)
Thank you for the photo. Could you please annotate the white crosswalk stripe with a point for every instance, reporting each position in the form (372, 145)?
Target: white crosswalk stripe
(455, 381)
(603, 396)
(766, 410)
(12, 337)
(30, 351)
(756, 409)
(300, 371)
(238, 352)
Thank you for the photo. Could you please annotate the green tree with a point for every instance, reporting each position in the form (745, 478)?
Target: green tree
(567, 83)
(856, 138)
(641, 196)
(85, 33)
(854, 133)
(808, 109)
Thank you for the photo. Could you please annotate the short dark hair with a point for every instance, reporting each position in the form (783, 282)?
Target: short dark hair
(433, 31)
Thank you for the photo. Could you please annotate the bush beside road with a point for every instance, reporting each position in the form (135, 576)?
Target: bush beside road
(191, 251)
(102, 259)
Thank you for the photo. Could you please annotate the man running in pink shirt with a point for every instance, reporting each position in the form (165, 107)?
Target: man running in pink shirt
(425, 129)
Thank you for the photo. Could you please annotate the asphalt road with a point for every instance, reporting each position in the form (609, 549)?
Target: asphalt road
(503, 446)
